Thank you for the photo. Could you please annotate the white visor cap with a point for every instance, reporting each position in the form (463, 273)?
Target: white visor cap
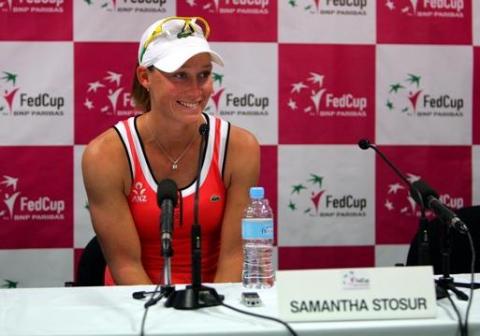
(168, 52)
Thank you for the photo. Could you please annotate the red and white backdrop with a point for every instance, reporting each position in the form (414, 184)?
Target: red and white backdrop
(308, 78)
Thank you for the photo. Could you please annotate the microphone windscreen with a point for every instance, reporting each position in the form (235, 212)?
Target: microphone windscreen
(364, 144)
(203, 129)
(167, 189)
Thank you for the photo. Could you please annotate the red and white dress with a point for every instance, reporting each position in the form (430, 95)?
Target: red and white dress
(142, 200)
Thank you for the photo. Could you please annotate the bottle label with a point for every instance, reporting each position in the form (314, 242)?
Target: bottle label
(257, 228)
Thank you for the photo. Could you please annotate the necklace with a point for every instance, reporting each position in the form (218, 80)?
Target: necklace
(173, 161)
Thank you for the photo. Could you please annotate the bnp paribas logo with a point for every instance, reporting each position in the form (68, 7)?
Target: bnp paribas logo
(32, 6)
(109, 95)
(311, 96)
(255, 7)
(409, 97)
(331, 7)
(223, 102)
(400, 201)
(428, 9)
(310, 198)
(128, 6)
(6, 283)
(18, 206)
(20, 103)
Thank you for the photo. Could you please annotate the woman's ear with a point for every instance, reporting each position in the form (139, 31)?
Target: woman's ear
(143, 78)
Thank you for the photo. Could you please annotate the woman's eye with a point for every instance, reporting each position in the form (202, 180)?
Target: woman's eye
(180, 75)
(205, 74)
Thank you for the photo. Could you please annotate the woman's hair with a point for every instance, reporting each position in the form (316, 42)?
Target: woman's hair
(140, 95)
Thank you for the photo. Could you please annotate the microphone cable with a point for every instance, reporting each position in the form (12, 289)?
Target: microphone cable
(472, 281)
(292, 332)
(152, 301)
(463, 326)
(457, 312)
(144, 318)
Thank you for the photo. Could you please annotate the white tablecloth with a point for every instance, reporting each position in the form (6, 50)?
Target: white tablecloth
(102, 311)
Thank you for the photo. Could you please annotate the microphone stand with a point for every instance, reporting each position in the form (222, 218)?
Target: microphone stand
(446, 282)
(166, 290)
(423, 252)
(423, 246)
(196, 295)
(166, 191)
(167, 268)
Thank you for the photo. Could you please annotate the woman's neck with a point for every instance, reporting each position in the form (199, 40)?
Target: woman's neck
(169, 133)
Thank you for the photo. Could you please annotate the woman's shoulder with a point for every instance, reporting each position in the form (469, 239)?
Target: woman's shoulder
(242, 138)
(105, 144)
(242, 158)
(105, 165)
(105, 153)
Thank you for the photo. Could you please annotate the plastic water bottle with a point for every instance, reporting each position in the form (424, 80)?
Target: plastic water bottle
(257, 234)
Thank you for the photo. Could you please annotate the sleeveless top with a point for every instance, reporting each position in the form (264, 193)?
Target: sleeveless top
(142, 201)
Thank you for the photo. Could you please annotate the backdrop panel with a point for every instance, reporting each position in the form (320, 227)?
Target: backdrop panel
(309, 78)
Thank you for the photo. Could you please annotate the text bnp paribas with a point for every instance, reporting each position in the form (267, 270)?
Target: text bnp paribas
(359, 305)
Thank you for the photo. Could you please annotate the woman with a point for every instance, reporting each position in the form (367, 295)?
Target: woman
(122, 166)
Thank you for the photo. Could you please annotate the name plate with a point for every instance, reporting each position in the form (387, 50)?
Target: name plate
(356, 294)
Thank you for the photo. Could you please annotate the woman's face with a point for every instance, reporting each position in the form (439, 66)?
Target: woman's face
(183, 94)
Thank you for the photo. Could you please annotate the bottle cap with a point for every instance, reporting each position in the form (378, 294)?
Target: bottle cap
(257, 192)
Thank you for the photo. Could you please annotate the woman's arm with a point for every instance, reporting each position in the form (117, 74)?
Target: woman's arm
(242, 170)
(106, 175)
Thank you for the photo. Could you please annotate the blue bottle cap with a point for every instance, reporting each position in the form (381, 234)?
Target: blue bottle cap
(257, 192)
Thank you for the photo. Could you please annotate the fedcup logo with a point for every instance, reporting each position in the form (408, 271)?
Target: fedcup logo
(410, 98)
(311, 97)
(428, 8)
(399, 200)
(351, 280)
(309, 198)
(331, 7)
(9, 197)
(17, 206)
(109, 96)
(226, 103)
(19, 103)
(217, 79)
(8, 85)
(129, 6)
(9, 284)
(32, 6)
(231, 6)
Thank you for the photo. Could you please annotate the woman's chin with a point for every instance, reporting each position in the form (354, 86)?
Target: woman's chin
(189, 111)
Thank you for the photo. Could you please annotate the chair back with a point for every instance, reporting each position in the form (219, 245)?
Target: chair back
(91, 266)
(460, 253)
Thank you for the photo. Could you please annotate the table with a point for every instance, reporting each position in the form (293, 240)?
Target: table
(102, 311)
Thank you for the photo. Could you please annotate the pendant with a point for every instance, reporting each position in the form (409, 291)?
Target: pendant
(174, 166)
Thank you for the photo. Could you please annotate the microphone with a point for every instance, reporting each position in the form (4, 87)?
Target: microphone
(365, 144)
(447, 216)
(196, 228)
(424, 244)
(196, 296)
(167, 200)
